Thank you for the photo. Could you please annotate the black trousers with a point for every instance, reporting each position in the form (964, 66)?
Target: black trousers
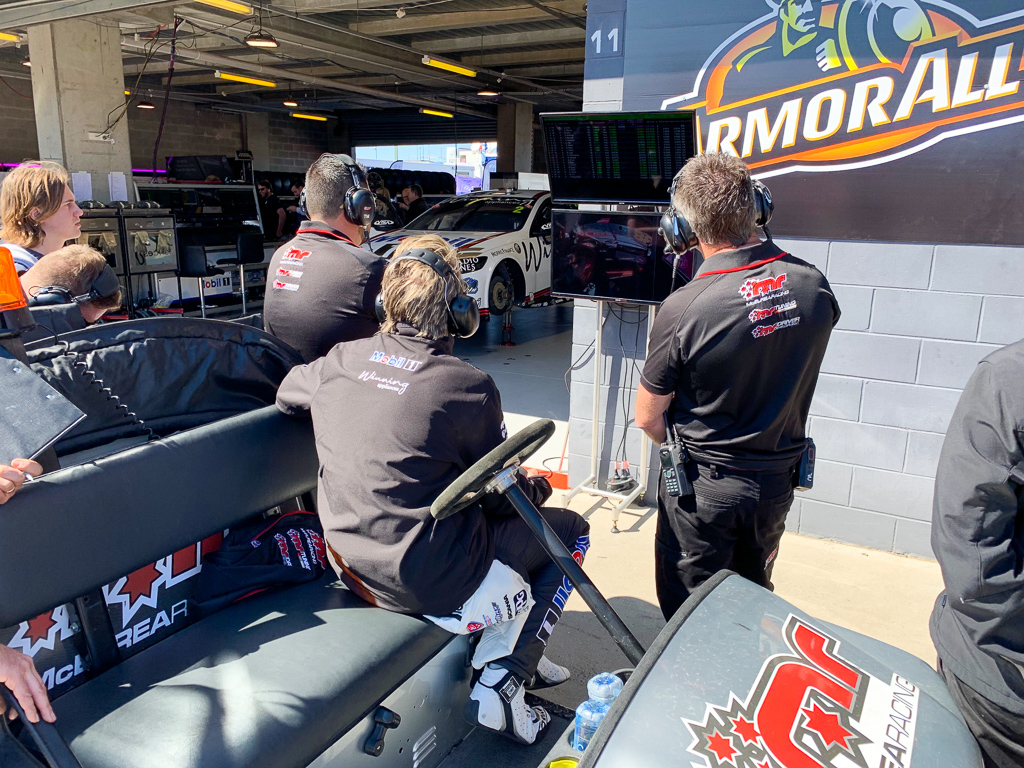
(1000, 733)
(732, 520)
(518, 548)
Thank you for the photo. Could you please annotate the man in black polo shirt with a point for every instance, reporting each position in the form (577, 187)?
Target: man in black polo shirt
(321, 285)
(397, 418)
(734, 358)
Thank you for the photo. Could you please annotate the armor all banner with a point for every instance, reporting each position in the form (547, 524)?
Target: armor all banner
(897, 120)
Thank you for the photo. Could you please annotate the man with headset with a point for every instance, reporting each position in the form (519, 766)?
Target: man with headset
(322, 283)
(733, 362)
(431, 417)
(69, 289)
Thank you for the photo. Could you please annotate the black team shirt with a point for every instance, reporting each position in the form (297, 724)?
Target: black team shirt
(321, 289)
(740, 348)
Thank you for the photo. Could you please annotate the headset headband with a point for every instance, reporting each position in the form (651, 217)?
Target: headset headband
(463, 311)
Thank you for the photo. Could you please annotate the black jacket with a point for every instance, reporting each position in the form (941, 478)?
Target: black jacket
(398, 418)
(977, 625)
(321, 289)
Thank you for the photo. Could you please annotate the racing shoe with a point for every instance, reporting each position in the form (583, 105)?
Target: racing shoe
(548, 675)
(498, 703)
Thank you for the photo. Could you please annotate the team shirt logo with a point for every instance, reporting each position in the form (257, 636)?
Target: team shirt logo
(753, 289)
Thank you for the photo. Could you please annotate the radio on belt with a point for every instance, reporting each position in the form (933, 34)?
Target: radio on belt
(674, 459)
(804, 479)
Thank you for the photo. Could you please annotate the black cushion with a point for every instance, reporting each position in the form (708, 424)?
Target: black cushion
(270, 682)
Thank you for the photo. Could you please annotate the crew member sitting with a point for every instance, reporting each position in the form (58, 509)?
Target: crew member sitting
(322, 285)
(74, 275)
(38, 211)
(432, 416)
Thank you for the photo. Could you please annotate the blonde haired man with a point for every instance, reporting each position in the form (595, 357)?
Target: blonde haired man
(38, 212)
(431, 416)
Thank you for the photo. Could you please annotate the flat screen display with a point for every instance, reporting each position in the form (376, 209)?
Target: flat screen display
(612, 257)
(619, 157)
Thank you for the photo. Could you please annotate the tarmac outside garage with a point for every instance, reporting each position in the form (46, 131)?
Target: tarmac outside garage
(879, 594)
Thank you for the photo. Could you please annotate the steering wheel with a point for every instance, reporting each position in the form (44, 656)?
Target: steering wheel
(471, 485)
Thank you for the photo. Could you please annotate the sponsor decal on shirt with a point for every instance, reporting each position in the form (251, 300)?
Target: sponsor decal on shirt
(766, 330)
(396, 362)
(810, 707)
(474, 626)
(504, 430)
(392, 385)
(281, 272)
(282, 286)
(753, 289)
(282, 546)
(756, 315)
(294, 255)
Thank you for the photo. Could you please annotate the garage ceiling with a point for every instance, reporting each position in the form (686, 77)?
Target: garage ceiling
(346, 58)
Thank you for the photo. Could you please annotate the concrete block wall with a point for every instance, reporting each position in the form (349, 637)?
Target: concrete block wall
(188, 130)
(916, 321)
(295, 144)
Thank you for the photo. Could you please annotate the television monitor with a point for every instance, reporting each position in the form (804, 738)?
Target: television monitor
(618, 157)
(201, 168)
(613, 257)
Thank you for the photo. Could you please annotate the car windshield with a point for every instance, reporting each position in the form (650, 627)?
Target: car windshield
(479, 214)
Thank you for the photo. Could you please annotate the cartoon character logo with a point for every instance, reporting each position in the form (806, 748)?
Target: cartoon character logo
(810, 708)
(823, 85)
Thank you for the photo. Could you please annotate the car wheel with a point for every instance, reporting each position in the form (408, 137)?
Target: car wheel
(502, 293)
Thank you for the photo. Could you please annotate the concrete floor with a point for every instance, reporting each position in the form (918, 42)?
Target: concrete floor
(879, 594)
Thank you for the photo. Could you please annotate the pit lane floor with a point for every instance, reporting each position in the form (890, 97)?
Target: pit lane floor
(879, 594)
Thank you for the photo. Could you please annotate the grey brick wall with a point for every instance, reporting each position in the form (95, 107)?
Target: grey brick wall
(18, 127)
(916, 321)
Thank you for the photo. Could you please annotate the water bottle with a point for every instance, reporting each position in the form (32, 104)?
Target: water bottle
(602, 689)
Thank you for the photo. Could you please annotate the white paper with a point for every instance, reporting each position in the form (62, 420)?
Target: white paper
(118, 186)
(81, 185)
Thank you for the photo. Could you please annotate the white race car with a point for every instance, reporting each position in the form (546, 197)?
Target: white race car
(504, 242)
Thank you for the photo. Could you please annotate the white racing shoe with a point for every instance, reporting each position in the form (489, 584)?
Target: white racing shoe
(548, 675)
(498, 703)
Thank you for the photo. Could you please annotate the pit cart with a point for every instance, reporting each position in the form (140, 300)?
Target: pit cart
(310, 676)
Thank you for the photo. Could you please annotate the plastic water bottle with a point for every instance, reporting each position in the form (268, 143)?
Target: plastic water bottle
(602, 690)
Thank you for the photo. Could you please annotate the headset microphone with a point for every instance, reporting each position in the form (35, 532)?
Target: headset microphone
(463, 311)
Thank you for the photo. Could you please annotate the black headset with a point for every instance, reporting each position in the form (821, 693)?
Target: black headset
(360, 205)
(463, 311)
(679, 235)
(104, 286)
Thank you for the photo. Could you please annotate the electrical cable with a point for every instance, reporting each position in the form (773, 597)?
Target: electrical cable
(12, 88)
(167, 96)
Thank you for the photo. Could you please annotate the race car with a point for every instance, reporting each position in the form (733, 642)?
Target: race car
(504, 242)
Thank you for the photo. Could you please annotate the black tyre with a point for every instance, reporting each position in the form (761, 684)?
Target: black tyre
(501, 294)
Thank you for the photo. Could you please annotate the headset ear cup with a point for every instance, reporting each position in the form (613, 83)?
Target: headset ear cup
(360, 206)
(763, 204)
(463, 316)
(378, 308)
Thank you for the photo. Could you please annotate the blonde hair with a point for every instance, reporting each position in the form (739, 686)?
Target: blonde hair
(415, 294)
(34, 184)
(74, 268)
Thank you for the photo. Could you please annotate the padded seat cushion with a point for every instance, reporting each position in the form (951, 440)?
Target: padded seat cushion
(270, 682)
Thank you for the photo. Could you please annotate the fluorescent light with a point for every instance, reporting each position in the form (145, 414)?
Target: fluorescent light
(449, 67)
(436, 113)
(145, 105)
(26, 63)
(487, 93)
(301, 116)
(127, 93)
(244, 79)
(9, 36)
(261, 39)
(290, 103)
(229, 5)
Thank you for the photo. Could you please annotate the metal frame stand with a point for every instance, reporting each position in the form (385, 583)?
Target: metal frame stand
(590, 484)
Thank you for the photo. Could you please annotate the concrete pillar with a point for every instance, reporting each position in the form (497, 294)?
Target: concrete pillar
(515, 138)
(78, 90)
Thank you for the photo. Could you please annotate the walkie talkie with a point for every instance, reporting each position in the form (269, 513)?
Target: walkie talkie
(674, 458)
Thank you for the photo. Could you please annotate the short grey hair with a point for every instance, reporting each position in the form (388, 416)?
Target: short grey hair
(716, 195)
(413, 293)
(327, 181)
